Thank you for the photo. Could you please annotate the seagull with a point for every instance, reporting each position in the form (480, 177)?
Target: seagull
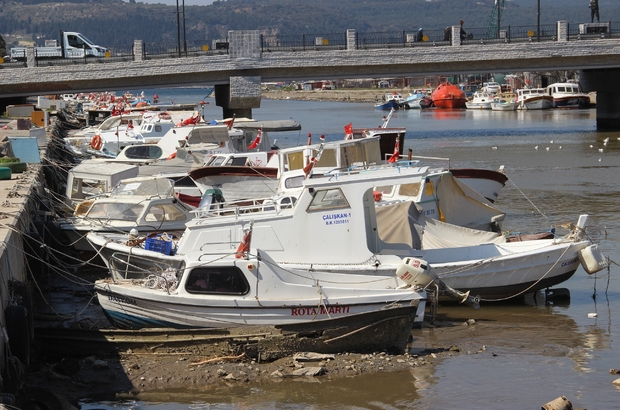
(591, 146)
(560, 147)
(547, 148)
(493, 147)
(599, 160)
(606, 140)
(600, 150)
(536, 147)
(551, 142)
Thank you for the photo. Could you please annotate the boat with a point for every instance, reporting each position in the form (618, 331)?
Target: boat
(533, 99)
(393, 100)
(419, 98)
(448, 95)
(491, 87)
(504, 105)
(334, 226)
(487, 183)
(387, 330)
(568, 95)
(481, 100)
(142, 204)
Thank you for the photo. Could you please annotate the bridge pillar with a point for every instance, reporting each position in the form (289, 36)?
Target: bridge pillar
(239, 97)
(242, 93)
(351, 39)
(138, 50)
(562, 30)
(30, 60)
(455, 38)
(604, 82)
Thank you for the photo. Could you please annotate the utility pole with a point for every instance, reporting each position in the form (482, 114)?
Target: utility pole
(178, 31)
(184, 40)
(538, 13)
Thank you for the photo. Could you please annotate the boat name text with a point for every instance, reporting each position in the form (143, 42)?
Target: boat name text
(569, 262)
(122, 300)
(337, 219)
(323, 310)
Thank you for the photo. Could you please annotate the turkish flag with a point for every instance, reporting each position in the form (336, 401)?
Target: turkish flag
(396, 153)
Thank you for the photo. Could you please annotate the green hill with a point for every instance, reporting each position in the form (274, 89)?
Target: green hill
(116, 22)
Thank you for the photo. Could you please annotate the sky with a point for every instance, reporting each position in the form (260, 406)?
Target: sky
(174, 2)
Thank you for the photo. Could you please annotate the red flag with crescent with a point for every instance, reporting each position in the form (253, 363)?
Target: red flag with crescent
(256, 141)
(396, 153)
(348, 131)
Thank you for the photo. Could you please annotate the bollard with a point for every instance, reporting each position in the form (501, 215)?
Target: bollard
(561, 403)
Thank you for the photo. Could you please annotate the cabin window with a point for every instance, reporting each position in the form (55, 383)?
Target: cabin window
(228, 280)
(386, 190)
(294, 182)
(561, 89)
(164, 212)
(328, 199)
(328, 158)
(143, 151)
(115, 211)
(238, 161)
(218, 161)
(411, 190)
(158, 128)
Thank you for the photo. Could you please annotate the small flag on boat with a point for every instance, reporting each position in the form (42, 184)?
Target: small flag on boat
(308, 168)
(396, 153)
(229, 122)
(348, 131)
(256, 141)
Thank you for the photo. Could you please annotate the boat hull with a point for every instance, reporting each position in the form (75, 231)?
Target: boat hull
(541, 102)
(571, 102)
(448, 95)
(486, 182)
(130, 311)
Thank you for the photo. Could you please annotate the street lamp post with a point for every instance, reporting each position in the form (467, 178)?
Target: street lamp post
(178, 31)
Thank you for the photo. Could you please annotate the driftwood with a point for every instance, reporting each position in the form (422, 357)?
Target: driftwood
(218, 359)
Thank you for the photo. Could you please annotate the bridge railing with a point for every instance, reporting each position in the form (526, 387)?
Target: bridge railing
(12, 64)
(511, 34)
(192, 48)
(302, 42)
(115, 54)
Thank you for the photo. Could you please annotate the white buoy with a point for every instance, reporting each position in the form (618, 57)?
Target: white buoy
(592, 259)
(591, 315)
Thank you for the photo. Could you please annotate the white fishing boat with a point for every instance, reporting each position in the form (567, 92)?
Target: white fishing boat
(142, 204)
(568, 95)
(534, 99)
(333, 227)
(504, 105)
(481, 100)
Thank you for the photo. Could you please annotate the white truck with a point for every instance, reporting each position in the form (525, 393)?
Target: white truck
(72, 45)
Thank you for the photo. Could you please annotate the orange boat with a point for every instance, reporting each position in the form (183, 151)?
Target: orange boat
(448, 95)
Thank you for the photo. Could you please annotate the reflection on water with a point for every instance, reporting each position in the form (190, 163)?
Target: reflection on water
(516, 355)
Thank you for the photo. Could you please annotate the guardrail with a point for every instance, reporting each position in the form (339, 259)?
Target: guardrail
(338, 41)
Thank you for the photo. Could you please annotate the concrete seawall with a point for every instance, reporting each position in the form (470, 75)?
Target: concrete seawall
(19, 207)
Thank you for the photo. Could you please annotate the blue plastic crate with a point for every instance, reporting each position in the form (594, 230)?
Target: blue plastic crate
(157, 244)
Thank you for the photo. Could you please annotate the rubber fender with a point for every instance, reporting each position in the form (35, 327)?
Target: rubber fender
(18, 329)
(5, 173)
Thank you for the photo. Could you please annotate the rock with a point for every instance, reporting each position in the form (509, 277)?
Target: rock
(309, 371)
(277, 374)
(614, 371)
(561, 403)
(312, 357)
(100, 364)
(616, 382)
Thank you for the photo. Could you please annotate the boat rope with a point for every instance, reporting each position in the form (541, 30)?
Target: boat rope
(526, 290)
(528, 199)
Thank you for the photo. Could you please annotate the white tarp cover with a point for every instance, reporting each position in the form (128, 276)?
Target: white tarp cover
(400, 226)
(462, 206)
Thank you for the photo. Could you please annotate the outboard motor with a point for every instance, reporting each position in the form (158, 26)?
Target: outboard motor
(417, 273)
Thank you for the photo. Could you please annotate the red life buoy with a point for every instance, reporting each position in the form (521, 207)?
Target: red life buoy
(96, 142)
(171, 156)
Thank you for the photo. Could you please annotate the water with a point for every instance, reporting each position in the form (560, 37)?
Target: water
(533, 352)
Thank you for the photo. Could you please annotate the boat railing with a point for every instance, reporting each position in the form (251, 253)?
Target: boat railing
(242, 207)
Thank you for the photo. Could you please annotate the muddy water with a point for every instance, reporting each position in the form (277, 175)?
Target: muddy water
(515, 356)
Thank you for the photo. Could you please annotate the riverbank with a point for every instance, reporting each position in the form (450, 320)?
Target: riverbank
(347, 95)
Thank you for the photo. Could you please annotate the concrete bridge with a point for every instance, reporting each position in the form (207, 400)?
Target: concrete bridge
(237, 74)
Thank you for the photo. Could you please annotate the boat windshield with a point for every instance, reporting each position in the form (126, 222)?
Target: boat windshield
(144, 187)
(115, 211)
